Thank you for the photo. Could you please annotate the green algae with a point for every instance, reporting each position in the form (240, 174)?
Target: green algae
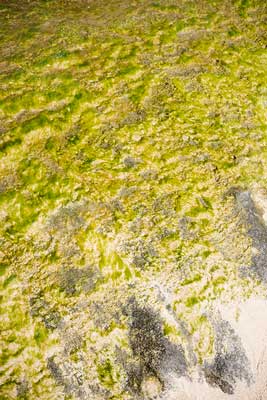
(147, 116)
(192, 301)
(9, 280)
(40, 334)
(105, 374)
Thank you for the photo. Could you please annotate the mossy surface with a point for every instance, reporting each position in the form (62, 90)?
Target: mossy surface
(123, 127)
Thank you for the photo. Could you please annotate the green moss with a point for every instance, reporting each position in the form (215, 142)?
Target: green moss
(18, 319)
(12, 338)
(204, 223)
(243, 5)
(214, 268)
(194, 211)
(50, 143)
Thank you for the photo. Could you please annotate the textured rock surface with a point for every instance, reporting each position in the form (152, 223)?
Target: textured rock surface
(133, 199)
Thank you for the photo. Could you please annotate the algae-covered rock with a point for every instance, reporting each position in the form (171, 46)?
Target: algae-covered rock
(133, 200)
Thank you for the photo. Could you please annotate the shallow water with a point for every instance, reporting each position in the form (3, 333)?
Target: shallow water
(124, 127)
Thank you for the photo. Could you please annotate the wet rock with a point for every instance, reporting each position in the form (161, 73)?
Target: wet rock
(9, 182)
(55, 371)
(191, 35)
(174, 360)
(134, 372)
(149, 174)
(155, 355)
(136, 246)
(202, 157)
(230, 363)
(256, 229)
(146, 338)
(67, 376)
(116, 205)
(185, 225)
(166, 204)
(188, 71)
(142, 253)
(73, 343)
(131, 162)
(126, 192)
(51, 320)
(23, 390)
(73, 279)
(134, 117)
(40, 308)
(69, 216)
(165, 233)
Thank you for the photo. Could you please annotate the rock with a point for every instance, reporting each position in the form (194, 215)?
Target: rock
(256, 229)
(230, 363)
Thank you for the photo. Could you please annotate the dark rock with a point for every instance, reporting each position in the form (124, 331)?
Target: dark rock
(134, 377)
(256, 229)
(214, 376)
(230, 363)
(51, 319)
(40, 308)
(71, 279)
(55, 371)
(65, 376)
(22, 390)
(174, 359)
(67, 219)
(185, 226)
(155, 355)
(130, 162)
(146, 337)
(149, 174)
(134, 117)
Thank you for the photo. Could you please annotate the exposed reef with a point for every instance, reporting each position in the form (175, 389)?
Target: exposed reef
(133, 200)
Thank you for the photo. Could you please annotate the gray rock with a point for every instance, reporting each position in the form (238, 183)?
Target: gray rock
(40, 308)
(131, 162)
(155, 355)
(22, 389)
(230, 363)
(256, 230)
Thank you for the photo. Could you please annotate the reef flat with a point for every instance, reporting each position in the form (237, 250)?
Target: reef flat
(133, 199)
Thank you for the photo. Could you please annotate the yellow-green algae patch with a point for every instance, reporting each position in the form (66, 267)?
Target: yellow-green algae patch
(123, 126)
